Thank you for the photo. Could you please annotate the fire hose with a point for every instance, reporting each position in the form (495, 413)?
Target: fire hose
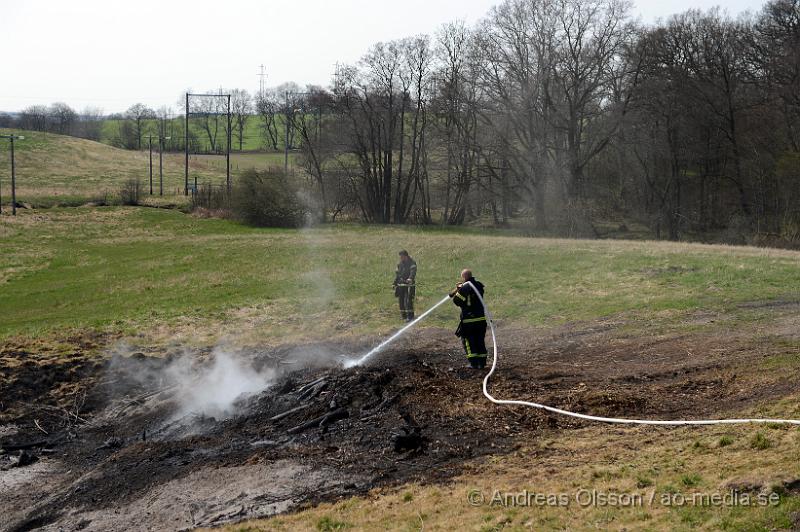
(601, 418)
(552, 409)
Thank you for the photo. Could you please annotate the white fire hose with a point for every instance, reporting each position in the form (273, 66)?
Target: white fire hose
(600, 418)
(551, 408)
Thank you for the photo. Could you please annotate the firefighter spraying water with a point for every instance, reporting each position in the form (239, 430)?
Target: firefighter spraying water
(472, 326)
(474, 346)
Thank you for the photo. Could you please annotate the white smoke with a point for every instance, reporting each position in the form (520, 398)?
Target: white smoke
(209, 386)
(213, 389)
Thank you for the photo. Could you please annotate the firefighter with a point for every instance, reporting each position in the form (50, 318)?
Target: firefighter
(404, 281)
(472, 327)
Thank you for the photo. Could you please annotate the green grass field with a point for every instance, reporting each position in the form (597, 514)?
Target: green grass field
(158, 276)
(135, 268)
(244, 161)
(253, 139)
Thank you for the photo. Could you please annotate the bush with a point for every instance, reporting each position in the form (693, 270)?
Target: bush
(266, 199)
(210, 198)
(130, 192)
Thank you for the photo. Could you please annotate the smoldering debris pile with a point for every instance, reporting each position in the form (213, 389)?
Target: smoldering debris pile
(149, 420)
(209, 386)
(130, 439)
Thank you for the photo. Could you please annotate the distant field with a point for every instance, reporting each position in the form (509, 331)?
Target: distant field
(243, 161)
(62, 170)
(147, 269)
(253, 138)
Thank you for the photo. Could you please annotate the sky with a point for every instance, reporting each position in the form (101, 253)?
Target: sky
(111, 54)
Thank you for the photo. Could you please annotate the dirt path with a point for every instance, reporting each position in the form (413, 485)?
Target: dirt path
(110, 451)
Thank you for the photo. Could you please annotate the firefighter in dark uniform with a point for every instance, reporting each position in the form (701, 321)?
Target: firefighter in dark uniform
(472, 327)
(404, 289)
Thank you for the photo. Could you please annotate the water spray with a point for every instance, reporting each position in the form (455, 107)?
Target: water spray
(552, 409)
(398, 334)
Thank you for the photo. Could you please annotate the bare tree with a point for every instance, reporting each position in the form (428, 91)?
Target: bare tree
(382, 105)
(317, 145)
(208, 112)
(62, 118)
(415, 79)
(139, 114)
(241, 109)
(268, 107)
(34, 118)
(90, 123)
(457, 105)
(776, 51)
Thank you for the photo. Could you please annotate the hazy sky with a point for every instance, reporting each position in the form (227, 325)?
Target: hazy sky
(113, 53)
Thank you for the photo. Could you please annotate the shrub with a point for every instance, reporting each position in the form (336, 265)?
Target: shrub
(130, 192)
(210, 198)
(266, 199)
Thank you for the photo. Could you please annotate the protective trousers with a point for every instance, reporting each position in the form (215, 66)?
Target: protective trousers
(473, 338)
(405, 297)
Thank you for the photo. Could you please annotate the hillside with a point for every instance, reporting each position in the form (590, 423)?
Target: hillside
(61, 170)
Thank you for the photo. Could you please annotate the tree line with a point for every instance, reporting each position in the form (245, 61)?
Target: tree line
(564, 113)
(131, 128)
(58, 118)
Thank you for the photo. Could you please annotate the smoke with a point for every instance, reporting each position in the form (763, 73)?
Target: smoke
(315, 356)
(210, 386)
(318, 278)
(214, 389)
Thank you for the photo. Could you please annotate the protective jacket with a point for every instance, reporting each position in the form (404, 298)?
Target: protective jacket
(472, 326)
(471, 307)
(405, 270)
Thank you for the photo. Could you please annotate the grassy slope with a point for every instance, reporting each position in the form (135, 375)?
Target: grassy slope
(115, 267)
(661, 466)
(57, 169)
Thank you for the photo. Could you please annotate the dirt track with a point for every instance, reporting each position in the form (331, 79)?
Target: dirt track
(108, 451)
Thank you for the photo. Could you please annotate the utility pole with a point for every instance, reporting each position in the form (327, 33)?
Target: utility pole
(160, 164)
(150, 148)
(228, 152)
(12, 138)
(286, 142)
(186, 148)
